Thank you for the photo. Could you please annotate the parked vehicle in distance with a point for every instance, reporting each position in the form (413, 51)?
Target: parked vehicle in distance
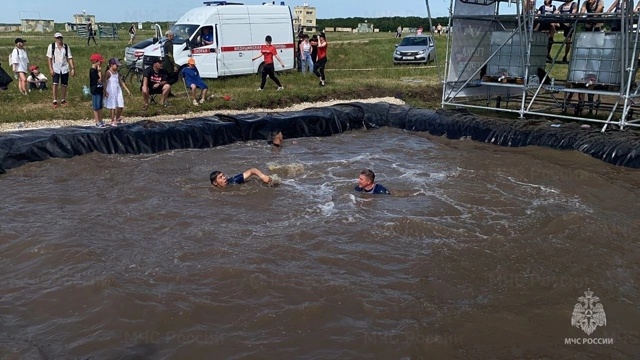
(415, 49)
(136, 51)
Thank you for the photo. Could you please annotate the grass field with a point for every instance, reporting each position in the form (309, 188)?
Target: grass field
(359, 66)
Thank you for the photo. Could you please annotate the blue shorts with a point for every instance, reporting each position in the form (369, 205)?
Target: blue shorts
(198, 83)
(96, 102)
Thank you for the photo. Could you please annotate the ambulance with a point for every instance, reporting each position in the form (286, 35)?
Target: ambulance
(237, 31)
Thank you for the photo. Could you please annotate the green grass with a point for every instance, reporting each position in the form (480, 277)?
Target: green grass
(359, 66)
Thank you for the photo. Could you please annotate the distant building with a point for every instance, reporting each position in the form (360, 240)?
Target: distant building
(364, 28)
(80, 21)
(36, 25)
(9, 27)
(304, 18)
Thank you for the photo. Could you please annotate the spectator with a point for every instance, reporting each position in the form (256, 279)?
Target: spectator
(297, 51)
(321, 62)
(305, 54)
(97, 89)
(193, 81)
(439, 29)
(569, 7)
(60, 66)
(132, 33)
(218, 178)
(269, 52)
(399, 32)
(5, 79)
(20, 63)
(314, 49)
(113, 91)
(419, 32)
(36, 79)
(366, 183)
(91, 34)
(168, 62)
(546, 26)
(154, 81)
(592, 7)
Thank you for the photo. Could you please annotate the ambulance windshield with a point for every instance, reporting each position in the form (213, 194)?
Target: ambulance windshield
(182, 32)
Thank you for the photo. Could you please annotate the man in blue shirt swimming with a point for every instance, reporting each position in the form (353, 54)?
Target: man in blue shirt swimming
(219, 179)
(367, 185)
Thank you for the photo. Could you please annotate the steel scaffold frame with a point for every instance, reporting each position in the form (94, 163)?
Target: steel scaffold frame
(536, 97)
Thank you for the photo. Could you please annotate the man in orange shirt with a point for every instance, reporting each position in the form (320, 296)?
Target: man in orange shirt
(269, 52)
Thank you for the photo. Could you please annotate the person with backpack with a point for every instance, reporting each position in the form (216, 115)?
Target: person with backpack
(20, 63)
(60, 66)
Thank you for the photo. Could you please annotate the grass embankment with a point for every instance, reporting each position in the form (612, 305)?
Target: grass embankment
(360, 66)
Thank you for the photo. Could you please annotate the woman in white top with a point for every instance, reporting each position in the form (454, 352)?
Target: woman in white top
(20, 63)
(305, 54)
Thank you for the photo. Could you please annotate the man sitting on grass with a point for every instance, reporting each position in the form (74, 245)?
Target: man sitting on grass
(193, 81)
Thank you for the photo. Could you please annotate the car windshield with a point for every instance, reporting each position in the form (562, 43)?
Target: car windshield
(414, 41)
(182, 32)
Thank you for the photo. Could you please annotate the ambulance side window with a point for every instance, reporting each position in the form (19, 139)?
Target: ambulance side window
(205, 37)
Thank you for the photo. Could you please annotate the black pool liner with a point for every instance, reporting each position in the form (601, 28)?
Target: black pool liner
(20, 147)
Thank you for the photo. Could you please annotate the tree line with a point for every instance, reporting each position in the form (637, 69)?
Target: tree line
(385, 24)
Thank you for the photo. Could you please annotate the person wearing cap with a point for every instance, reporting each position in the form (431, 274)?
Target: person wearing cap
(60, 66)
(219, 179)
(36, 79)
(20, 63)
(154, 81)
(97, 88)
(113, 91)
(193, 81)
(168, 62)
(367, 185)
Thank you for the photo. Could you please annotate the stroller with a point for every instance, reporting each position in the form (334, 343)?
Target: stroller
(5, 79)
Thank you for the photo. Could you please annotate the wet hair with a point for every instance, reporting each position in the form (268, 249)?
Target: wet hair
(213, 176)
(368, 174)
(268, 38)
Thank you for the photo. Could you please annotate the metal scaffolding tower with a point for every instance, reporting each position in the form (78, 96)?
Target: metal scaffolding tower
(502, 62)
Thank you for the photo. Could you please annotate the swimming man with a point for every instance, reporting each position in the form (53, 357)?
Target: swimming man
(366, 183)
(219, 179)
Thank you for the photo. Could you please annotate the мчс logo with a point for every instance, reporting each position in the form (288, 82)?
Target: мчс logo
(588, 313)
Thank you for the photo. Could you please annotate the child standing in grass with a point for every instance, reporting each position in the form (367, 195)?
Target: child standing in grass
(95, 83)
(113, 92)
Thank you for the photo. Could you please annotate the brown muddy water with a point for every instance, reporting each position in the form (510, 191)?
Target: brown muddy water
(481, 252)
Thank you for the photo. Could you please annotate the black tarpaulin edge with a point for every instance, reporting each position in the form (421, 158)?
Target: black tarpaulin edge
(17, 148)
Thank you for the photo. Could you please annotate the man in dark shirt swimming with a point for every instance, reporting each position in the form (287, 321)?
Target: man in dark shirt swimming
(219, 179)
(367, 185)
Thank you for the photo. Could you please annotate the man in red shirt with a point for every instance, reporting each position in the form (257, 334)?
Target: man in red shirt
(269, 52)
(321, 62)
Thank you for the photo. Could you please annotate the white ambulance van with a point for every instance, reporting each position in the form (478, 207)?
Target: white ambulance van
(237, 31)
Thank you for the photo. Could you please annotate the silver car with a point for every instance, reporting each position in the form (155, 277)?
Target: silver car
(415, 49)
(136, 51)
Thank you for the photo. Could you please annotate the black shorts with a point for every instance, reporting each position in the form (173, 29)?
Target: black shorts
(566, 29)
(62, 79)
(157, 90)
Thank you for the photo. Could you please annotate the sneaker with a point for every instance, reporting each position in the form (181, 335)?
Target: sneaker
(322, 83)
(202, 101)
(280, 88)
(101, 125)
(165, 104)
(55, 104)
(64, 102)
(259, 89)
(195, 102)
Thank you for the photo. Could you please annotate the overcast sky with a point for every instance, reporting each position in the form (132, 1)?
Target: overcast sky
(170, 10)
